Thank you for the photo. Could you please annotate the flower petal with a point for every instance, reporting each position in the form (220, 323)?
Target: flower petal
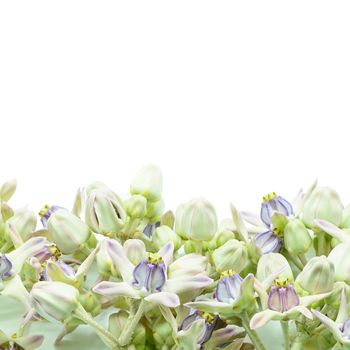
(333, 326)
(212, 306)
(189, 265)
(185, 284)
(167, 252)
(261, 318)
(332, 230)
(164, 298)
(293, 312)
(115, 289)
(310, 299)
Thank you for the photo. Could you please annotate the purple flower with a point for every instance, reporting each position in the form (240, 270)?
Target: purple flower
(282, 297)
(272, 203)
(149, 275)
(268, 242)
(46, 212)
(210, 324)
(67, 270)
(5, 267)
(228, 288)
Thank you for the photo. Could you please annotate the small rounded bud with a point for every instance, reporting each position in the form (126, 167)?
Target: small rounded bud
(67, 231)
(271, 264)
(224, 236)
(340, 257)
(23, 222)
(297, 239)
(317, 276)
(135, 250)
(54, 299)
(155, 210)
(148, 182)
(324, 203)
(163, 235)
(196, 220)
(233, 255)
(104, 214)
(136, 206)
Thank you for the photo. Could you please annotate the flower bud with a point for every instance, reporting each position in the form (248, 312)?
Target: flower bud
(297, 239)
(148, 182)
(155, 210)
(317, 276)
(7, 190)
(54, 299)
(233, 255)
(165, 234)
(273, 264)
(324, 203)
(67, 231)
(135, 250)
(103, 214)
(340, 257)
(196, 220)
(103, 259)
(136, 206)
(223, 236)
(23, 222)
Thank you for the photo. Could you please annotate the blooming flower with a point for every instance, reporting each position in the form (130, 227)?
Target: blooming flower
(5, 268)
(272, 203)
(268, 241)
(233, 294)
(46, 212)
(155, 278)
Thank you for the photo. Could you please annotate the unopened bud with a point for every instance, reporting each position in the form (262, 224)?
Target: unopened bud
(163, 235)
(317, 276)
(67, 231)
(324, 203)
(297, 239)
(23, 222)
(136, 206)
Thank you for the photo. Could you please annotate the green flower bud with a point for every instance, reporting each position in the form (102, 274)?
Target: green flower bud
(7, 190)
(297, 239)
(324, 203)
(168, 219)
(317, 276)
(90, 303)
(155, 210)
(135, 250)
(224, 236)
(148, 182)
(23, 222)
(196, 220)
(273, 264)
(233, 255)
(67, 231)
(104, 214)
(136, 206)
(163, 235)
(162, 335)
(54, 299)
(340, 257)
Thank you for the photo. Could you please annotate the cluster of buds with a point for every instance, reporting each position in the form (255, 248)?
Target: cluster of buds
(179, 280)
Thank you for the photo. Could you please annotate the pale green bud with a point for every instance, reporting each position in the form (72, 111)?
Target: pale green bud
(67, 231)
(136, 206)
(54, 299)
(7, 190)
(155, 210)
(224, 236)
(148, 182)
(103, 259)
(104, 214)
(273, 265)
(168, 219)
(340, 257)
(324, 203)
(135, 250)
(297, 239)
(196, 220)
(23, 222)
(233, 255)
(317, 276)
(163, 235)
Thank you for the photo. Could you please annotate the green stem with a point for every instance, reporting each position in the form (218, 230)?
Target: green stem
(285, 330)
(129, 329)
(321, 243)
(106, 336)
(198, 246)
(254, 338)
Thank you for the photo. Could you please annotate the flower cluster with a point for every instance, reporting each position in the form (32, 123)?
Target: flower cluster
(180, 280)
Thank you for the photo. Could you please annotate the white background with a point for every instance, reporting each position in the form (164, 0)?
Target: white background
(232, 99)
